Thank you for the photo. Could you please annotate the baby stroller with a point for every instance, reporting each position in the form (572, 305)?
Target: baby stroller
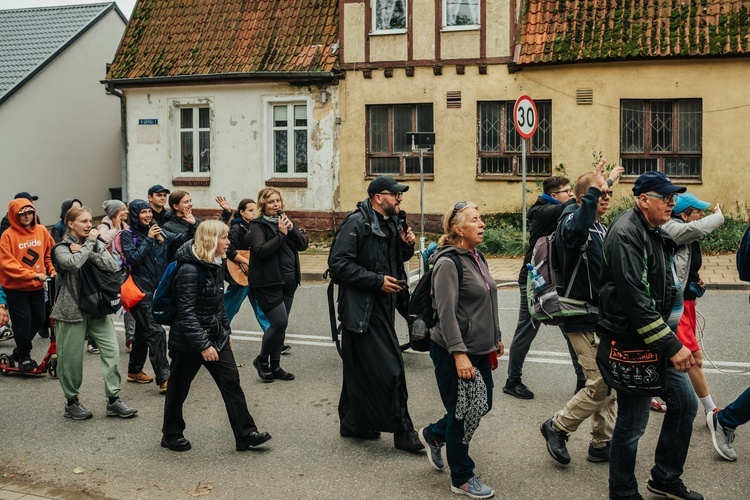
(49, 363)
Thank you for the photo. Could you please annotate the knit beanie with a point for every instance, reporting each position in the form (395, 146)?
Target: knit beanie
(111, 207)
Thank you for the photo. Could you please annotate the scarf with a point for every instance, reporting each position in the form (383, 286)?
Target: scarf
(471, 404)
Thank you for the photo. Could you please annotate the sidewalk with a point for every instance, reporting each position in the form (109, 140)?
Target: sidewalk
(12, 489)
(719, 272)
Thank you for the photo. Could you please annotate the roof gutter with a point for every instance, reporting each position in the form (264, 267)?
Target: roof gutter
(221, 76)
(110, 89)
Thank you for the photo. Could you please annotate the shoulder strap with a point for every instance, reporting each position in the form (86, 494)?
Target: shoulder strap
(76, 296)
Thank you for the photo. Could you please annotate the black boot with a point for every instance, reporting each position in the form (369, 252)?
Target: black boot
(264, 370)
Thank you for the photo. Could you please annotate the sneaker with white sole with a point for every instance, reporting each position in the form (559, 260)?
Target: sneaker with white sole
(120, 409)
(474, 488)
(676, 490)
(721, 436)
(434, 449)
(77, 411)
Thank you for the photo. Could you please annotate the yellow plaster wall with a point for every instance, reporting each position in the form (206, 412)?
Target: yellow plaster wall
(388, 47)
(424, 30)
(498, 31)
(459, 44)
(578, 131)
(354, 32)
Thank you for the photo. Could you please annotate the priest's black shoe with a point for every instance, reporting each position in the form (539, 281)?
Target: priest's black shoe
(408, 441)
(264, 370)
(280, 374)
(253, 439)
(359, 435)
(176, 444)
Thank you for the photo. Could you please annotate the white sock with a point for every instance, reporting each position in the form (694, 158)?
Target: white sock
(708, 403)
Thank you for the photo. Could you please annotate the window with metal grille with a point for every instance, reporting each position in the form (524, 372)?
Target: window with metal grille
(289, 137)
(499, 145)
(195, 140)
(663, 135)
(388, 150)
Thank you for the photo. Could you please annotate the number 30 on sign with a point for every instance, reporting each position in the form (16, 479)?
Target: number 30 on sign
(524, 117)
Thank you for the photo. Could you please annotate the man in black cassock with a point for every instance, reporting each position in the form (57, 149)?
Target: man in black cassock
(367, 260)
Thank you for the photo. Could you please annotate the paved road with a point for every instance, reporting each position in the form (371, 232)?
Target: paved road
(307, 459)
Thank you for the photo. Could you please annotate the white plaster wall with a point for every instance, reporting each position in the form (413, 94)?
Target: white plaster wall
(60, 134)
(240, 142)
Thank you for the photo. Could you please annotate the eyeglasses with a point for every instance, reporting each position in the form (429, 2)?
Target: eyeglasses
(606, 194)
(667, 198)
(398, 196)
(457, 208)
(569, 191)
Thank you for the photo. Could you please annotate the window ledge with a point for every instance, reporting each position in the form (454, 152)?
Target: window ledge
(287, 182)
(630, 179)
(191, 181)
(469, 27)
(409, 177)
(400, 31)
(509, 177)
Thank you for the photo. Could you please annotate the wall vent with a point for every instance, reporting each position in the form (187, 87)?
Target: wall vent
(453, 99)
(584, 96)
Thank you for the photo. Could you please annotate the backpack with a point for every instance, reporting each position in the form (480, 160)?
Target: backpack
(743, 256)
(549, 304)
(99, 291)
(117, 247)
(164, 308)
(422, 315)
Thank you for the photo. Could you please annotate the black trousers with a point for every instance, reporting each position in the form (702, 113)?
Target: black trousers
(184, 367)
(26, 310)
(150, 341)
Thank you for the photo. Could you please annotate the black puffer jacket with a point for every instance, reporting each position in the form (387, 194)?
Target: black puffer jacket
(265, 245)
(201, 320)
(637, 285)
(358, 262)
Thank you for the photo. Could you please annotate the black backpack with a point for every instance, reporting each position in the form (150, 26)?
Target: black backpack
(99, 291)
(422, 315)
(743, 257)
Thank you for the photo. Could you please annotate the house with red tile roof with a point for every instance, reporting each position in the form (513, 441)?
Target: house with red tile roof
(648, 84)
(226, 97)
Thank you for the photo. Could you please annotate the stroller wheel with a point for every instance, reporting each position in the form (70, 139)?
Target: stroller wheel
(5, 363)
(52, 368)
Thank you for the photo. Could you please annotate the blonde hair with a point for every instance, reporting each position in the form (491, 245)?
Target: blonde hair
(73, 213)
(263, 196)
(207, 238)
(451, 221)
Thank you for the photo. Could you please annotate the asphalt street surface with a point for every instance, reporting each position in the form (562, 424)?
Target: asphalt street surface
(112, 457)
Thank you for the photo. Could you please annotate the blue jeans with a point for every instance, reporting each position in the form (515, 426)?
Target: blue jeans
(233, 297)
(448, 429)
(737, 412)
(674, 438)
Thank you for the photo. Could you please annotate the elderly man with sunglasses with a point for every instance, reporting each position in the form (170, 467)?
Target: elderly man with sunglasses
(367, 260)
(636, 303)
(580, 239)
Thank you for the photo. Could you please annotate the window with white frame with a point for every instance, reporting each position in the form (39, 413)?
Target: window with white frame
(195, 139)
(500, 146)
(389, 152)
(460, 13)
(289, 138)
(388, 15)
(663, 135)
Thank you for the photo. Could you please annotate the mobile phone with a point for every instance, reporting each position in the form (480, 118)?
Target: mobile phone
(401, 282)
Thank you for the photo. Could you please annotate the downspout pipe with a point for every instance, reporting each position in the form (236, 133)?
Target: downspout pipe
(110, 89)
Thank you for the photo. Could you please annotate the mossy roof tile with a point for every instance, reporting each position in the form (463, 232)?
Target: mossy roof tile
(564, 31)
(203, 37)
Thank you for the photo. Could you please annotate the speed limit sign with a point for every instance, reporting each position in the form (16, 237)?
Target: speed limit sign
(525, 117)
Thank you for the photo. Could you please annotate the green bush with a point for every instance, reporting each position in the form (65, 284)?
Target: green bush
(502, 239)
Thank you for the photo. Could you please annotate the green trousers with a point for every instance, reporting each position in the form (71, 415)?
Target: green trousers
(71, 338)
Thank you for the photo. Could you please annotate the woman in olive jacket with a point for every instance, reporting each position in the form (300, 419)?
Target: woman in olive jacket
(200, 336)
(273, 276)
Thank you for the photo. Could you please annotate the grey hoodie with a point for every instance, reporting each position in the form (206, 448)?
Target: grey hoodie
(467, 317)
(67, 264)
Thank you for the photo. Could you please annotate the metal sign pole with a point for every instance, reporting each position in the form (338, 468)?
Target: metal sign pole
(523, 189)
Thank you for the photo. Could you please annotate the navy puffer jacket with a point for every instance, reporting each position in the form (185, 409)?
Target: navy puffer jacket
(201, 320)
